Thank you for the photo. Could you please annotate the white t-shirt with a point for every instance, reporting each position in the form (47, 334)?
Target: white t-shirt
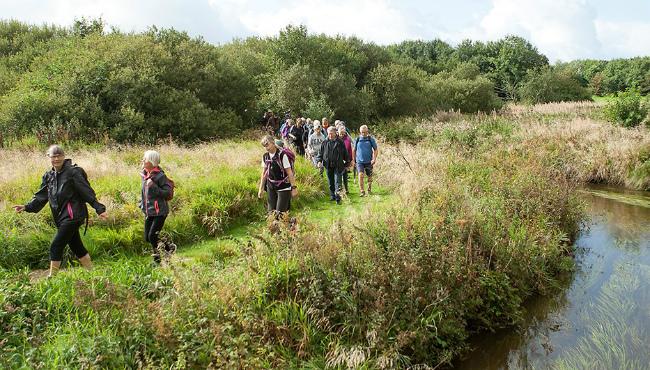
(285, 164)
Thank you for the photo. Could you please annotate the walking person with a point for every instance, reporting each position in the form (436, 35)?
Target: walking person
(334, 158)
(345, 138)
(314, 144)
(65, 186)
(296, 136)
(277, 178)
(365, 153)
(156, 191)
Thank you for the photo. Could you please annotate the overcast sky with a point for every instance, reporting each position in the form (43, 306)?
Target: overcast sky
(561, 29)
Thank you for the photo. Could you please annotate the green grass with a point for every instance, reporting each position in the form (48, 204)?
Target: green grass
(396, 279)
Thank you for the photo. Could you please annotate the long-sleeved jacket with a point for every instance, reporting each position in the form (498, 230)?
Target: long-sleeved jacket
(334, 155)
(67, 191)
(154, 196)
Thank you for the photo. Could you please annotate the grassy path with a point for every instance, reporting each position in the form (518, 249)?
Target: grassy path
(322, 212)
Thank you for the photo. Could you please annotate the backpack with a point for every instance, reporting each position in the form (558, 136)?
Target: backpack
(171, 192)
(292, 159)
(85, 176)
(356, 142)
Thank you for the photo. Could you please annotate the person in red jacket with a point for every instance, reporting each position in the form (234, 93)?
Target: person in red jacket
(156, 189)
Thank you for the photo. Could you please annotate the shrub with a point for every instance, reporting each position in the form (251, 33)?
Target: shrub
(627, 108)
(550, 85)
(466, 95)
(398, 90)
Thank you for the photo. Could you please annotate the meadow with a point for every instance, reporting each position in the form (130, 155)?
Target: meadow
(474, 214)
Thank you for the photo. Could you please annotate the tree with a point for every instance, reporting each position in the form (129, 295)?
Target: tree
(515, 58)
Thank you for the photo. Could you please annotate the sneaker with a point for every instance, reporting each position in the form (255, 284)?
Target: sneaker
(338, 201)
(362, 194)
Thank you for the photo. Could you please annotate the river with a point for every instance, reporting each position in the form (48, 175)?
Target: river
(600, 319)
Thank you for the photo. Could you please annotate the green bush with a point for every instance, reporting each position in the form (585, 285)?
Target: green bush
(627, 108)
(466, 95)
(398, 90)
(551, 85)
(129, 88)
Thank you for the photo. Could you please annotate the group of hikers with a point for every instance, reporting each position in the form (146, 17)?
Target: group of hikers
(329, 148)
(66, 188)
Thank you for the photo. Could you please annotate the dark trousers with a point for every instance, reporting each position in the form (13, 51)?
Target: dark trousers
(278, 201)
(152, 227)
(67, 234)
(334, 179)
(344, 175)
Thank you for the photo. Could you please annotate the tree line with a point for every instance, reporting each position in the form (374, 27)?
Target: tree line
(84, 83)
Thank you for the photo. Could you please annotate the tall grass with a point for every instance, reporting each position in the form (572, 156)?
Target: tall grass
(484, 214)
(216, 185)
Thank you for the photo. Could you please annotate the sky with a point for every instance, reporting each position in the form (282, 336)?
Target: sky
(563, 30)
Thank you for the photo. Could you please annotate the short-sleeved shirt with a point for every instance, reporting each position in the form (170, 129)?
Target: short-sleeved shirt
(364, 147)
(285, 164)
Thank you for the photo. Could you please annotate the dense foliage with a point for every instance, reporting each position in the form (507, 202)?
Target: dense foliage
(610, 77)
(82, 83)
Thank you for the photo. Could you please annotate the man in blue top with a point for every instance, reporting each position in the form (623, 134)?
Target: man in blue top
(364, 152)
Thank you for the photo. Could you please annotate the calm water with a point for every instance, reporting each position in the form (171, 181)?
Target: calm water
(601, 319)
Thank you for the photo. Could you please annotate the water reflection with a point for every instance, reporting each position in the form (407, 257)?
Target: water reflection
(601, 319)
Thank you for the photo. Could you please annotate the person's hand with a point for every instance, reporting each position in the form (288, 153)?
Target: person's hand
(259, 194)
(103, 215)
(372, 163)
(19, 209)
(149, 183)
(294, 193)
(320, 164)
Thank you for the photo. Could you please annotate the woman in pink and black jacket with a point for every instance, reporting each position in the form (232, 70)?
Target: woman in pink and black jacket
(67, 189)
(156, 189)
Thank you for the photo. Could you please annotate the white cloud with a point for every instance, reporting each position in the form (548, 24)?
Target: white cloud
(561, 29)
(624, 39)
(371, 20)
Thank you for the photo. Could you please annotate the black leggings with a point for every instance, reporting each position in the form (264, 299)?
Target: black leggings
(67, 234)
(152, 227)
(278, 201)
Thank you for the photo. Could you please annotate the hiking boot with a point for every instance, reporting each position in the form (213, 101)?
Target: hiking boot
(362, 194)
(338, 201)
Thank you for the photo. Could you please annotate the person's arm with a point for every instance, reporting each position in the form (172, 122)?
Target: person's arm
(160, 188)
(375, 153)
(86, 192)
(260, 189)
(292, 181)
(346, 155)
(321, 154)
(38, 201)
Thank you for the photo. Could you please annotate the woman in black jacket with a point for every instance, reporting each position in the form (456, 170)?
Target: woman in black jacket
(67, 190)
(156, 189)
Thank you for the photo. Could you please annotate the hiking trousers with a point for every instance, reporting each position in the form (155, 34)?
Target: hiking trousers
(334, 178)
(152, 227)
(278, 200)
(67, 234)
